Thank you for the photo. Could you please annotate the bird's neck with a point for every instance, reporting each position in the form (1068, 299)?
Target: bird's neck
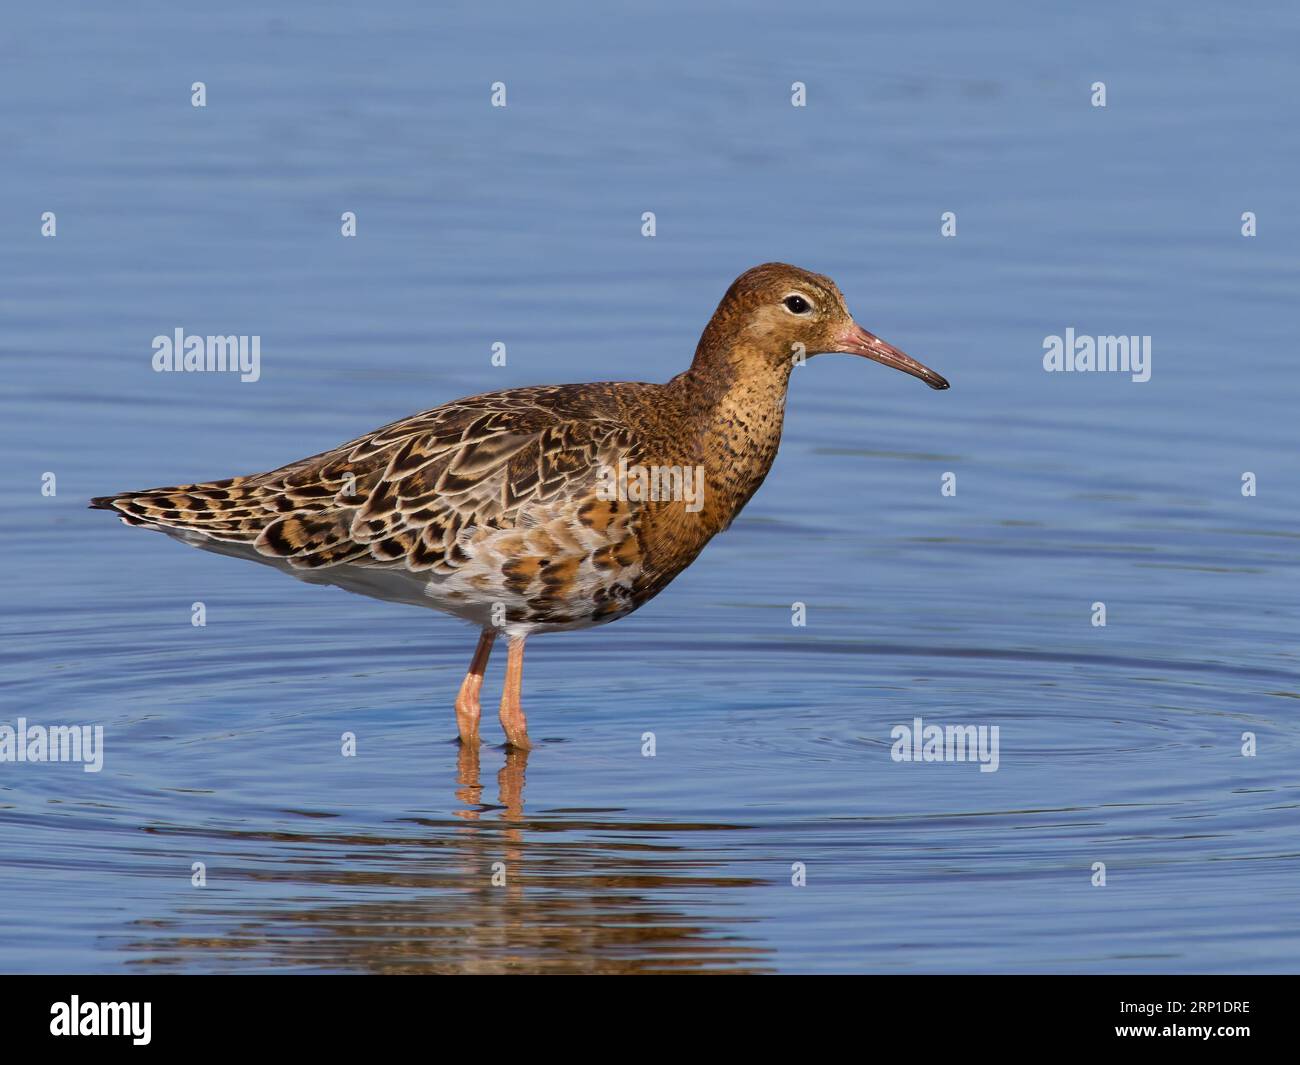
(736, 402)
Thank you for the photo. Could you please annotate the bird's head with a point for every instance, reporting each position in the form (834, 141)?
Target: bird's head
(778, 313)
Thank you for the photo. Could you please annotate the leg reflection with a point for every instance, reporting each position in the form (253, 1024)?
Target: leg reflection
(510, 781)
(470, 791)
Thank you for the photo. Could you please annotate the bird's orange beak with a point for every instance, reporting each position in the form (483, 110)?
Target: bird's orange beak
(857, 341)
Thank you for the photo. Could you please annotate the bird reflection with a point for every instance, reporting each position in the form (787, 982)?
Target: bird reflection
(487, 889)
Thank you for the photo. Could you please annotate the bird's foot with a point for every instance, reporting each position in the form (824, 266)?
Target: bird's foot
(468, 711)
(515, 726)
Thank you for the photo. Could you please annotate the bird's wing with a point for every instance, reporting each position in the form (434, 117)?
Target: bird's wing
(408, 494)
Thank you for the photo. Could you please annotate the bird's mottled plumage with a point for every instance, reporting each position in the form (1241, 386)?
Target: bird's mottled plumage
(490, 499)
(492, 508)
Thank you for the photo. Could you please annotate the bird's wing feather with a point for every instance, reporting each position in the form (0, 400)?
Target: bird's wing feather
(407, 494)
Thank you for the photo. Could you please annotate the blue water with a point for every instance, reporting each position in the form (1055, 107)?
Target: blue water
(1119, 745)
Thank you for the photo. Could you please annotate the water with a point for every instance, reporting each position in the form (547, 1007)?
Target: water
(1119, 745)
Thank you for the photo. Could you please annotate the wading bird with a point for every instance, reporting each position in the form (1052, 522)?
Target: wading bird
(500, 508)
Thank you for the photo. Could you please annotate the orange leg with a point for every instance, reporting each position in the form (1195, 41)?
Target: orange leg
(467, 705)
(512, 714)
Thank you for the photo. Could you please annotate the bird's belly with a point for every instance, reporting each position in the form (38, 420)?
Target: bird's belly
(536, 580)
(520, 581)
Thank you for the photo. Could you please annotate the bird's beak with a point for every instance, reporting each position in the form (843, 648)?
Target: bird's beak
(857, 341)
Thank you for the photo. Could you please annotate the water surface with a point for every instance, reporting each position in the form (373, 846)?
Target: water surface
(1120, 745)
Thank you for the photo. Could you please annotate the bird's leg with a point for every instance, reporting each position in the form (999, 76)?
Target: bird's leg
(467, 705)
(512, 714)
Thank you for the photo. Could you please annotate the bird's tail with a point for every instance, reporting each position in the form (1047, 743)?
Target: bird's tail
(219, 508)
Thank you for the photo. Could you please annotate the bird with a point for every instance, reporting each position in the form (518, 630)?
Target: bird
(537, 509)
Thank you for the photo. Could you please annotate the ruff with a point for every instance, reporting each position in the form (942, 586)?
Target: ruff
(497, 508)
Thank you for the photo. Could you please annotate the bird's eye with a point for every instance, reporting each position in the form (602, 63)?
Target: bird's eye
(797, 304)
